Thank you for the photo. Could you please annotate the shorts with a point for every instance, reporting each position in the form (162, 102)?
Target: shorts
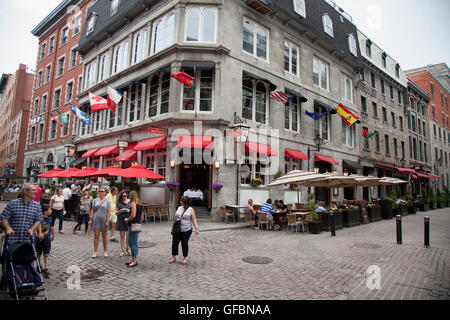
(113, 218)
(43, 247)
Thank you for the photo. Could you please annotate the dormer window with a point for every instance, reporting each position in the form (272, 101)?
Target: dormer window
(91, 23)
(114, 6)
(383, 59)
(369, 48)
(327, 25)
(299, 7)
(352, 45)
(397, 70)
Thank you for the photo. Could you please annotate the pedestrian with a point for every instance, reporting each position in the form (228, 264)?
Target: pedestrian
(123, 212)
(46, 235)
(254, 215)
(99, 221)
(37, 198)
(76, 192)
(111, 196)
(136, 217)
(269, 210)
(186, 215)
(67, 194)
(2, 189)
(22, 217)
(57, 204)
(85, 209)
(87, 186)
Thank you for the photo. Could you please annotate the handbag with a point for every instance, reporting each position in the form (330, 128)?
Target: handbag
(136, 227)
(176, 228)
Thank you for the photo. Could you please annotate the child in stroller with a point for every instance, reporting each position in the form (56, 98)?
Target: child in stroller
(19, 274)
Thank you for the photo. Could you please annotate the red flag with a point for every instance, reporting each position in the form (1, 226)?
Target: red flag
(56, 119)
(184, 78)
(97, 103)
(365, 133)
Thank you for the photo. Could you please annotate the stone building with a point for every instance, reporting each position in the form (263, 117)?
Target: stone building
(308, 50)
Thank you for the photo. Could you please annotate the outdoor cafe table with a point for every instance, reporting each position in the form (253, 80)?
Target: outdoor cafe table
(235, 209)
(299, 210)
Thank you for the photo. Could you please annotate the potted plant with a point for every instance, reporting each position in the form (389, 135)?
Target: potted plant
(447, 196)
(351, 217)
(374, 212)
(315, 226)
(326, 219)
(386, 208)
(256, 182)
(217, 187)
(431, 198)
(172, 185)
(440, 199)
(424, 204)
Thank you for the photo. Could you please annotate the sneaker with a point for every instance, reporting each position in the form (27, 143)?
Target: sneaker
(94, 255)
(114, 240)
(105, 254)
(46, 273)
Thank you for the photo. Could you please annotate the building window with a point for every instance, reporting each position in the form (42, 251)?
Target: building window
(44, 104)
(424, 129)
(135, 103)
(52, 130)
(115, 119)
(366, 141)
(291, 58)
(91, 23)
(65, 128)
(97, 120)
(56, 98)
(362, 74)
(155, 160)
(201, 24)
(346, 88)
(399, 96)
(352, 45)
(364, 104)
(114, 6)
(299, 7)
(383, 59)
(348, 135)
(32, 134)
(164, 31)
(377, 141)
(372, 76)
(69, 92)
(382, 86)
(327, 25)
(414, 148)
(41, 132)
(48, 70)
(104, 67)
(255, 40)
(384, 114)
(391, 91)
(61, 66)
(292, 115)
(64, 35)
(403, 151)
(369, 48)
(51, 45)
(394, 124)
(73, 58)
(140, 46)
(121, 57)
(158, 95)
(258, 165)
(420, 151)
(413, 123)
(395, 148)
(433, 112)
(255, 100)
(77, 26)
(386, 141)
(200, 98)
(432, 89)
(36, 107)
(397, 70)
(400, 118)
(375, 110)
(39, 80)
(434, 130)
(321, 126)
(443, 119)
(320, 73)
(91, 74)
(43, 50)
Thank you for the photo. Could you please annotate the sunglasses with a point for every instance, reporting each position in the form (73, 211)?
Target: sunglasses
(102, 191)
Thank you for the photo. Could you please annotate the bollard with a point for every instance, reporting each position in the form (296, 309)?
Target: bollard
(332, 227)
(399, 229)
(427, 232)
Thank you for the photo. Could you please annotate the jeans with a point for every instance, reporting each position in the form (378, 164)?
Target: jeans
(184, 238)
(82, 217)
(60, 215)
(68, 207)
(133, 242)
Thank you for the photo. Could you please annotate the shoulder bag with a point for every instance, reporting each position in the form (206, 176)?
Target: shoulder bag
(136, 227)
(176, 228)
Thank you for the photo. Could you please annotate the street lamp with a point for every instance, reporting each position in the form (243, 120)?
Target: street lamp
(318, 141)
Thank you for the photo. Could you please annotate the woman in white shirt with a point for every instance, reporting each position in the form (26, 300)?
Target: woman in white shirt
(57, 205)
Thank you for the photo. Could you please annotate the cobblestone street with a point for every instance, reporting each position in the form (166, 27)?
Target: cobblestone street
(304, 266)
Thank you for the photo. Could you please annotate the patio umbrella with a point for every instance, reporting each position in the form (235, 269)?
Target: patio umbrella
(387, 181)
(332, 181)
(107, 172)
(67, 173)
(137, 171)
(84, 173)
(51, 173)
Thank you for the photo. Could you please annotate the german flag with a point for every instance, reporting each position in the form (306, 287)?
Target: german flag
(348, 117)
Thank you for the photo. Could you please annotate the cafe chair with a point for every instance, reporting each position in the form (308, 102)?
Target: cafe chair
(289, 206)
(248, 219)
(150, 213)
(298, 206)
(226, 214)
(292, 221)
(263, 220)
(164, 211)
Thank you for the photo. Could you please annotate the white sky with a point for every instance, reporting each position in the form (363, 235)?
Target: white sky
(413, 32)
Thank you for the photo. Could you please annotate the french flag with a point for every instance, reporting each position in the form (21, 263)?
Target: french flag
(97, 103)
(113, 98)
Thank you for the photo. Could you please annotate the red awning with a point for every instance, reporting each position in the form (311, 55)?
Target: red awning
(154, 143)
(386, 166)
(421, 175)
(105, 151)
(195, 142)
(254, 147)
(293, 154)
(414, 176)
(127, 155)
(406, 170)
(318, 157)
(90, 153)
(430, 175)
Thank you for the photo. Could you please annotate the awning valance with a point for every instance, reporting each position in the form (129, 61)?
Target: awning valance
(106, 151)
(254, 147)
(195, 142)
(90, 153)
(351, 164)
(296, 94)
(318, 158)
(247, 75)
(386, 166)
(294, 154)
(154, 143)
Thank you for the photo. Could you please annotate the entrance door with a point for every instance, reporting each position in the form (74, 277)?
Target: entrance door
(195, 182)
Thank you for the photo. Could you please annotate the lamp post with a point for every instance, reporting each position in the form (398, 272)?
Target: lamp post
(241, 130)
(69, 153)
(318, 141)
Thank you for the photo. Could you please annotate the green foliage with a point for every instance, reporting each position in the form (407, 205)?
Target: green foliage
(311, 197)
(279, 173)
(398, 193)
(315, 217)
(431, 197)
(312, 206)
(94, 194)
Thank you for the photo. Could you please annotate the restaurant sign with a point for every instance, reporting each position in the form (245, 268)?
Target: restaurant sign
(157, 131)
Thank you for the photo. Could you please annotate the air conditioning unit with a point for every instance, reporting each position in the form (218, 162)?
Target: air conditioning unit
(262, 6)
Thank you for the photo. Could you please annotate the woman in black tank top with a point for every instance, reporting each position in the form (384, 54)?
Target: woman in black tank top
(135, 218)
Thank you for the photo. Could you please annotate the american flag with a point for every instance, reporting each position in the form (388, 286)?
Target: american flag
(281, 96)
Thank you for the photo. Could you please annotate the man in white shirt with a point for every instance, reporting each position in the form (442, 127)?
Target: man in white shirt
(67, 194)
(76, 190)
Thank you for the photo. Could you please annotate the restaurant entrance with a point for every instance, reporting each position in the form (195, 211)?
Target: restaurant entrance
(195, 182)
(321, 193)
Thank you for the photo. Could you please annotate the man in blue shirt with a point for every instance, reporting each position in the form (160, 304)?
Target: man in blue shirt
(268, 208)
(22, 216)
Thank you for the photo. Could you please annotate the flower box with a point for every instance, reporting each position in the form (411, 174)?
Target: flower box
(172, 185)
(412, 209)
(386, 209)
(424, 206)
(374, 213)
(315, 227)
(326, 221)
(217, 187)
(403, 210)
(351, 218)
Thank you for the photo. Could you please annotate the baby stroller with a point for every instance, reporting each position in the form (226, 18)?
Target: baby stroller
(19, 273)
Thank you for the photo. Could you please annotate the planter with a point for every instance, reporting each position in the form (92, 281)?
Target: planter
(424, 206)
(386, 209)
(432, 205)
(374, 213)
(412, 209)
(441, 204)
(351, 218)
(446, 203)
(403, 210)
(315, 227)
(217, 189)
(326, 223)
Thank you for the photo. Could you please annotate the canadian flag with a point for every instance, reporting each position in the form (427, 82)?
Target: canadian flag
(97, 103)
(113, 98)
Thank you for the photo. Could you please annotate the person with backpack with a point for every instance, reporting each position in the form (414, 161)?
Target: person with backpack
(46, 235)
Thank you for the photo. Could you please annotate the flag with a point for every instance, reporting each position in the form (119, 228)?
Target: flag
(63, 118)
(348, 117)
(184, 78)
(80, 115)
(371, 135)
(113, 98)
(56, 119)
(97, 103)
(281, 96)
(317, 116)
(365, 133)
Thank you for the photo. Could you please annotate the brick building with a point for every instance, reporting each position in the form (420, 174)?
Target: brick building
(58, 75)
(433, 80)
(15, 101)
